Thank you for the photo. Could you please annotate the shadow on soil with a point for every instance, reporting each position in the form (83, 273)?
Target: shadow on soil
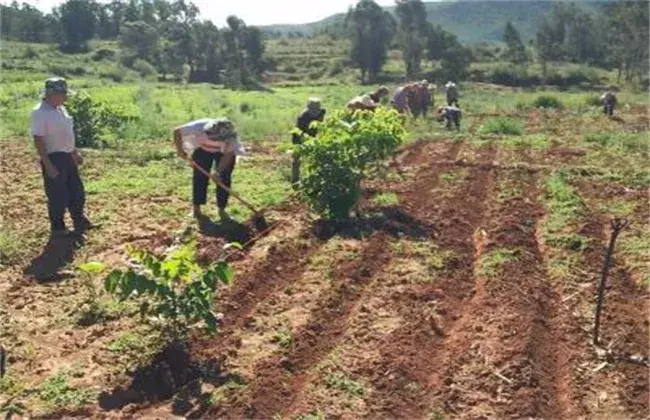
(171, 374)
(391, 220)
(229, 230)
(56, 254)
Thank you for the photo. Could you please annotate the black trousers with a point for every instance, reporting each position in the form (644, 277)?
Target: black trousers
(608, 109)
(453, 102)
(66, 191)
(200, 182)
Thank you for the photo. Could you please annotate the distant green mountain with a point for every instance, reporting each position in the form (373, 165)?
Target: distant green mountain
(472, 21)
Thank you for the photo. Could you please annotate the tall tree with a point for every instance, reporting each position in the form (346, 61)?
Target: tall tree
(77, 19)
(628, 35)
(140, 40)
(412, 32)
(371, 30)
(515, 49)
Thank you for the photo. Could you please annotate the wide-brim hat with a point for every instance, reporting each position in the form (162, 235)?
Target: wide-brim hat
(55, 85)
(220, 129)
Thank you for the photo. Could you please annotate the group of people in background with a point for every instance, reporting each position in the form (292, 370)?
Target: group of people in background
(214, 143)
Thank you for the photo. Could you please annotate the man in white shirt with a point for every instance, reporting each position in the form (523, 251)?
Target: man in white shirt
(53, 131)
(209, 141)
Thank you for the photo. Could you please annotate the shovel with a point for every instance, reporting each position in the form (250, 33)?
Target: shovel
(258, 218)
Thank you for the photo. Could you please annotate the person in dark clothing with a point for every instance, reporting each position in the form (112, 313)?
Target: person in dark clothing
(209, 141)
(451, 115)
(609, 102)
(313, 112)
(53, 131)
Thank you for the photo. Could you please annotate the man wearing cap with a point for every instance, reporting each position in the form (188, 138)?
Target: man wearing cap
(452, 93)
(53, 131)
(209, 141)
(313, 112)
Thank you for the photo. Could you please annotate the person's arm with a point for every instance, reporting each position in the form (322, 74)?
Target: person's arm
(38, 130)
(178, 143)
(76, 156)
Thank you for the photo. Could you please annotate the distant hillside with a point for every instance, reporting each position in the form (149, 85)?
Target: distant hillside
(472, 21)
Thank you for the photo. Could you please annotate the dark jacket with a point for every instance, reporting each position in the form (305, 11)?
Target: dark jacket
(304, 121)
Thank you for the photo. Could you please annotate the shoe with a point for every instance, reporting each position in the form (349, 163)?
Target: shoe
(223, 214)
(79, 238)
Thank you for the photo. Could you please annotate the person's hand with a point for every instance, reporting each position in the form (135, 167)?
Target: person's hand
(78, 159)
(51, 171)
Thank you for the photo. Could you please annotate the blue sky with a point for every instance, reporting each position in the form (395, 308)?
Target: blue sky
(253, 12)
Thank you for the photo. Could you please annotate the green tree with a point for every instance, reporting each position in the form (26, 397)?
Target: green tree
(371, 30)
(628, 34)
(515, 49)
(140, 40)
(77, 19)
(412, 32)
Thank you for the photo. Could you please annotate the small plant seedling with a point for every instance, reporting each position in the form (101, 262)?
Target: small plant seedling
(501, 126)
(90, 311)
(491, 263)
(177, 292)
(386, 199)
(283, 338)
(341, 382)
(57, 391)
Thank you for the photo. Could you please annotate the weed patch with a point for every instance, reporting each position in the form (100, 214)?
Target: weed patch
(547, 101)
(386, 199)
(491, 263)
(502, 126)
(340, 381)
(57, 391)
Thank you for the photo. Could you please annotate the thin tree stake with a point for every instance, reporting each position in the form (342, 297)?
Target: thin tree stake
(617, 226)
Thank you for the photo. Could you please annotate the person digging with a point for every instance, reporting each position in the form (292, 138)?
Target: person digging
(451, 115)
(313, 112)
(53, 131)
(209, 141)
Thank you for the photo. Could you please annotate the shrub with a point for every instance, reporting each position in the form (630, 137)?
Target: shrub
(104, 54)
(93, 119)
(178, 292)
(547, 101)
(116, 73)
(348, 148)
(244, 107)
(30, 53)
(501, 126)
(290, 69)
(593, 100)
(144, 68)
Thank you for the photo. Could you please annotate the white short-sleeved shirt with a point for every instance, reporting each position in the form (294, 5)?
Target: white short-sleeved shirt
(55, 126)
(194, 137)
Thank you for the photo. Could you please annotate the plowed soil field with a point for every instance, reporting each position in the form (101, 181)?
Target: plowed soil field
(470, 297)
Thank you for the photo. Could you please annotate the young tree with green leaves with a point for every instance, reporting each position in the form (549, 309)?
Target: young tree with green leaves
(371, 30)
(412, 31)
(77, 19)
(140, 39)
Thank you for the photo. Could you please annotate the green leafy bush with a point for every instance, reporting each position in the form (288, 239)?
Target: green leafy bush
(547, 101)
(348, 148)
(501, 126)
(593, 100)
(144, 68)
(175, 289)
(93, 119)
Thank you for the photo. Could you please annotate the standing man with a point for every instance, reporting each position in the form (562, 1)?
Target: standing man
(609, 102)
(53, 131)
(452, 93)
(209, 141)
(313, 112)
(421, 99)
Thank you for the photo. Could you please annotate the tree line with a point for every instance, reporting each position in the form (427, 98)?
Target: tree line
(168, 36)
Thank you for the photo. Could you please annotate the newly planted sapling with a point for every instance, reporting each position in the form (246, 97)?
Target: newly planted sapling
(90, 310)
(174, 290)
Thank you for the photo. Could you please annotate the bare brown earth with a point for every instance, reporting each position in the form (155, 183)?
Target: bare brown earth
(400, 314)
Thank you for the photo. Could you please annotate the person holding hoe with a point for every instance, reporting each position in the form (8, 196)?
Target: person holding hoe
(206, 142)
(53, 131)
